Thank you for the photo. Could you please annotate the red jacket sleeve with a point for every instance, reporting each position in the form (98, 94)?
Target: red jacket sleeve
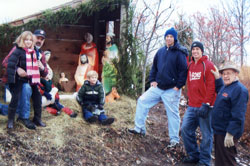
(210, 84)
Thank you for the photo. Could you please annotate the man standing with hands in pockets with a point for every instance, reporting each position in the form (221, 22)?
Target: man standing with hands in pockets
(167, 76)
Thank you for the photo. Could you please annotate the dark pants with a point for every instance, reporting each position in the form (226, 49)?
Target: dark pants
(16, 90)
(36, 97)
(189, 125)
(223, 155)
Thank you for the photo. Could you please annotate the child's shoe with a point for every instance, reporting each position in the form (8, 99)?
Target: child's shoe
(107, 121)
(58, 113)
(92, 119)
(73, 115)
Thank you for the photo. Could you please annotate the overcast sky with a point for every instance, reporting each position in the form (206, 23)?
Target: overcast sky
(13, 9)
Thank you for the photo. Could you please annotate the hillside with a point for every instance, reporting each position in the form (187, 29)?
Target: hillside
(67, 141)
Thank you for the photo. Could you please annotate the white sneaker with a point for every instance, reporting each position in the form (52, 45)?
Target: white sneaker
(173, 144)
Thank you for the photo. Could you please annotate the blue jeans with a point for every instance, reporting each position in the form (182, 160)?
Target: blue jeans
(23, 107)
(151, 97)
(3, 109)
(87, 114)
(189, 125)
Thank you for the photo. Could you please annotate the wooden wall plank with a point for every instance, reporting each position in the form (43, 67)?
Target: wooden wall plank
(65, 41)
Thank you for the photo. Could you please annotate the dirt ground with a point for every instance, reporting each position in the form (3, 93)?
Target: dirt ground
(73, 142)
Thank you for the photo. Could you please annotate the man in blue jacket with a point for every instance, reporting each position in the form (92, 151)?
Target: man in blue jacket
(167, 76)
(228, 115)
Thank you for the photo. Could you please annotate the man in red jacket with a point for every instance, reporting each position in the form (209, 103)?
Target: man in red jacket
(201, 94)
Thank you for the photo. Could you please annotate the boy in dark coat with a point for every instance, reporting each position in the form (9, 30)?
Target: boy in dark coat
(91, 98)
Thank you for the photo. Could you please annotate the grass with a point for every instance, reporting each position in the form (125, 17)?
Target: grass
(65, 140)
(72, 141)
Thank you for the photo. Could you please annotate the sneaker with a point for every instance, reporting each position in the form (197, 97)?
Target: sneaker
(73, 115)
(173, 144)
(58, 113)
(133, 131)
(27, 123)
(108, 121)
(189, 159)
(92, 119)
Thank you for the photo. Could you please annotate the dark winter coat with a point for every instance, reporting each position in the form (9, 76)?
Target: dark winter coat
(17, 59)
(169, 67)
(228, 114)
(91, 94)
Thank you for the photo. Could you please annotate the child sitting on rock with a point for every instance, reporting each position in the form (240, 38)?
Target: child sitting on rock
(50, 98)
(91, 99)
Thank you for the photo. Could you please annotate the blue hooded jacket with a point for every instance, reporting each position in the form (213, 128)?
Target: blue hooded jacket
(169, 67)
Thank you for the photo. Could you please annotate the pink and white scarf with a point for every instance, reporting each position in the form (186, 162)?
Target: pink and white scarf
(32, 68)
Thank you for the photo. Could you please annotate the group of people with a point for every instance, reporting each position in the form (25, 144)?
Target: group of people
(30, 77)
(217, 105)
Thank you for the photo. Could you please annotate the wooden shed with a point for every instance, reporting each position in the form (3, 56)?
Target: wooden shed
(65, 41)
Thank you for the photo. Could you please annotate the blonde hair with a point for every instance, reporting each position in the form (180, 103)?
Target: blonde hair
(20, 39)
(92, 73)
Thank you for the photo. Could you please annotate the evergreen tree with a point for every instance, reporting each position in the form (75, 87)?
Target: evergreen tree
(128, 77)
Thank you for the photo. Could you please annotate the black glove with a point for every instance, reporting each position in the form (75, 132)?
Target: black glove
(100, 107)
(90, 108)
(47, 95)
(203, 111)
